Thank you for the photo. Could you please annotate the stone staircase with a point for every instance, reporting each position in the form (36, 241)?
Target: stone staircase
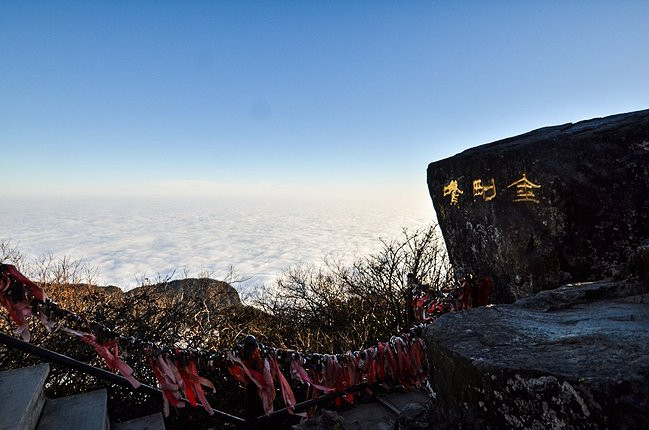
(23, 406)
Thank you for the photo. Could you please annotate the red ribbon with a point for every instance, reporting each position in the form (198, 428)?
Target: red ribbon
(193, 386)
(33, 289)
(267, 392)
(263, 380)
(298, 372)
(402, 359)
(18, 310)
(111, 358)
(168, 383)
(287, 391)
(251, 374)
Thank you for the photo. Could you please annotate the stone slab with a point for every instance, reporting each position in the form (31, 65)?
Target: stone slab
(401, 400)
(373, 415)
(21, 397)
(575, 357)
(85, 411)
(149, 422)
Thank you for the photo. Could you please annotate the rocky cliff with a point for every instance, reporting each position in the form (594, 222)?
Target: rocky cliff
(555, 205)
(212, 293)
(575, 357)
(218, 293)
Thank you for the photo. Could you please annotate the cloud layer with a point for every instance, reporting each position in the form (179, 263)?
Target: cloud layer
(127, 239)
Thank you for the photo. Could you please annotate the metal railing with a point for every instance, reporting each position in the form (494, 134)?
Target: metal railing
(312, 402)
(113, 378)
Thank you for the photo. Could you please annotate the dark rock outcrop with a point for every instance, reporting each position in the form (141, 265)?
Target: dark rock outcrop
(215, 294)
(575, 357)
(560, 204)
(219, 293)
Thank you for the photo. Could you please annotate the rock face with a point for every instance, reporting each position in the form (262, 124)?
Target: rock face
(556, 205)
(575, 358)
(219, 293)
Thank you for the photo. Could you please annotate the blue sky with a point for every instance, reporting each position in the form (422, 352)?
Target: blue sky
(264, 98)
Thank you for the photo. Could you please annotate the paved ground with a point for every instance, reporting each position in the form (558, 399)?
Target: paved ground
(379, 414)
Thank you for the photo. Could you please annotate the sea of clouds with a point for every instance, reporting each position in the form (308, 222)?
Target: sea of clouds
(129, 239)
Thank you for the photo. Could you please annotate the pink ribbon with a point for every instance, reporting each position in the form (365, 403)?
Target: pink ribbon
(298, 372)
(193, 386)
(263, 380)
(267, 392)
(168, 383)
(111, 358)
(287, 391)
(18, 311)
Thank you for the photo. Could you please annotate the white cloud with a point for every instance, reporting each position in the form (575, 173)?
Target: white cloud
(128, 238)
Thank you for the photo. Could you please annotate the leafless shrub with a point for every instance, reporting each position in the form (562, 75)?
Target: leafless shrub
(10, 254)
(339, 306)
(331, 308)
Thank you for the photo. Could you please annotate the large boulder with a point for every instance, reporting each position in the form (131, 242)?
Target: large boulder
(556, 205)
(217, 294)
(573, 358)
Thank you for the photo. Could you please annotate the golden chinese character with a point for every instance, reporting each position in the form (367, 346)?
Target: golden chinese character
(453, 190)
(524, 190)
(488, 192)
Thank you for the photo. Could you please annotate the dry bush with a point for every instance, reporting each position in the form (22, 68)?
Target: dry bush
(160, 311)
(332, 308)
(339, 307)
(10, 254)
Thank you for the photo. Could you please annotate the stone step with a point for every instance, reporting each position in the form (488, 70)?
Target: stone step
(85, 411)
(21, 397)
(149, 422)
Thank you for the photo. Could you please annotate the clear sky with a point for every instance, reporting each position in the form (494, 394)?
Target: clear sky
(182, 97)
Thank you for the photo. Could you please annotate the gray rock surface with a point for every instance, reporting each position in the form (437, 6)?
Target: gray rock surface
(149, 422)
(393, 411)
(415, 416)
(21, 397)
(326, 420)
(81, 411)
(215, 294)
(219, 293)
(575, 357)
(553, 206)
